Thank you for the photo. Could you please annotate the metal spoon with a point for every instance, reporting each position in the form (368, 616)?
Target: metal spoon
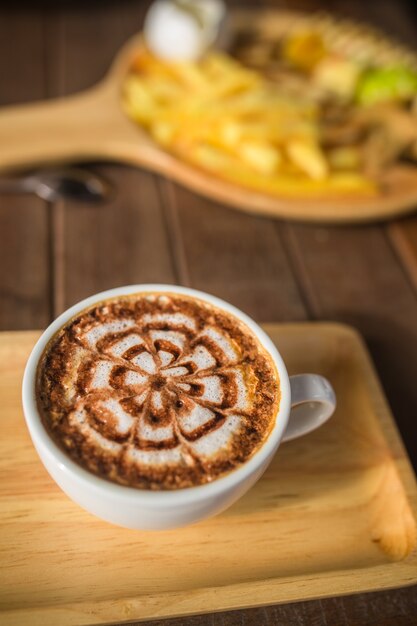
(75, 184)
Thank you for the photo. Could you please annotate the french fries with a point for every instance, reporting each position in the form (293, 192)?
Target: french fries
(227, 120)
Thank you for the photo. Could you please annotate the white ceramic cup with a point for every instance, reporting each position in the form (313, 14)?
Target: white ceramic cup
(307, 401)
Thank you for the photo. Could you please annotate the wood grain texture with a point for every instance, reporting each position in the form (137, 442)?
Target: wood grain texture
(123, 242)
(403, 237)
(239, 258)
(346, 493)
(24, 221)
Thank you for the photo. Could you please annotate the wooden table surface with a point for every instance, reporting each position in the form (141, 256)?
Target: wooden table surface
(52, 255)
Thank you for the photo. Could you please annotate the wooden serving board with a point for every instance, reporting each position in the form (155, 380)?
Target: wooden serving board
(92, 126)
(335, 513)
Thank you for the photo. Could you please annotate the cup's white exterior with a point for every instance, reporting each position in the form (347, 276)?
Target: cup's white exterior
(142, 509)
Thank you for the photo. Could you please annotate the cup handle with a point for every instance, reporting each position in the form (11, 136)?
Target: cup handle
(313, 401)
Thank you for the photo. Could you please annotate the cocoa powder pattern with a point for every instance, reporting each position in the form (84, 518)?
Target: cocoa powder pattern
(165, 396)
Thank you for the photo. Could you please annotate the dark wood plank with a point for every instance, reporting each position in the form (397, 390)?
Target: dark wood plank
(83, 39)
(24, 222)
(237, 257)
(22, 59)
(24, 255)
(398, 20)
(122, 242)
(403, 236)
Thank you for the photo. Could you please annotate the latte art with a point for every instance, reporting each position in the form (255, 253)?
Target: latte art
(158, 391)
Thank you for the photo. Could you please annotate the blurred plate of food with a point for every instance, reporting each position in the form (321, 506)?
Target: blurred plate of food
(308, 116)
(304, 117)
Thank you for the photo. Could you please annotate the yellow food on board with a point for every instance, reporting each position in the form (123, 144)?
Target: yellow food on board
(304, 50)
(228, 120)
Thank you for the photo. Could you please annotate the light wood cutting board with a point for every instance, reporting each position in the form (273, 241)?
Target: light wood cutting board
(92, 126)
(335, 513)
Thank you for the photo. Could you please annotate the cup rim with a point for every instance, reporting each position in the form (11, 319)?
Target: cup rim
(46, 446)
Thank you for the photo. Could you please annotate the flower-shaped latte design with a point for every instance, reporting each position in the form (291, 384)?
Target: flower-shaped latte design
(158, 390)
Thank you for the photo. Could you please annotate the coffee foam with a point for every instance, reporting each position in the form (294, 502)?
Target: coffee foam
(172, 320)
(202, 358)
(101, 375)
(149, 433)
(80, 420)
(158, 391)
(213, 391)
(92, 336)
(122, 345)
(224, 344)
(197, 417)
(122, 421)
(218, 439)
